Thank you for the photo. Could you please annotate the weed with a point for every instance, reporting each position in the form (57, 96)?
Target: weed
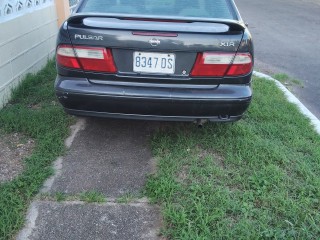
(126, 198)
(60, 197)
(92, 197)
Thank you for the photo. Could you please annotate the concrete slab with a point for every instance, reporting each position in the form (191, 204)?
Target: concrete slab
(76, 220)
(109, 156)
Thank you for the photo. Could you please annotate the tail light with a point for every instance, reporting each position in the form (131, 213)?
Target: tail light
(222, 64)
(86, 58)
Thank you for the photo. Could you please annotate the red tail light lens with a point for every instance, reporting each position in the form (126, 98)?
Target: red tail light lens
(66, 57)
(222, 64)
(241, 65)
(86, 58)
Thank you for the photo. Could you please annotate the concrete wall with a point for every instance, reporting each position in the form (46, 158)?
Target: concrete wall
(27, 40)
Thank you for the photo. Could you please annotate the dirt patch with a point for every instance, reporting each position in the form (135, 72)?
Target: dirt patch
(154, 166)
(13, 149)
(183, 174)
(217, 158)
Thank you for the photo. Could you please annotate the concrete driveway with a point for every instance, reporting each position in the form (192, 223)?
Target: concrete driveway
(111, 157)
(287, 35)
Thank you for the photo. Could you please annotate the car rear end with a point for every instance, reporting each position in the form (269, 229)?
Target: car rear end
(171, 59)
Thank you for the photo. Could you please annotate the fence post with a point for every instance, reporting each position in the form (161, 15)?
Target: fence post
(63, 10)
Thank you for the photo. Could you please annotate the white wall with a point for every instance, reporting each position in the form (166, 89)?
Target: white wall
(27, 40)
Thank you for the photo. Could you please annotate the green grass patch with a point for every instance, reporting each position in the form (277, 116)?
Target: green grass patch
(285, 79)
(127, 198)
(33, 111)
(92, 197)
(60, 197)
(258, 178)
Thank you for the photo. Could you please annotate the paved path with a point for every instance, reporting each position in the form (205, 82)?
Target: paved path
(111, 157)
(286, 36)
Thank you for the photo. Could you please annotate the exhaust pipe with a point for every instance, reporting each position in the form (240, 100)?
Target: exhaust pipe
(224, 117)
(201, 122)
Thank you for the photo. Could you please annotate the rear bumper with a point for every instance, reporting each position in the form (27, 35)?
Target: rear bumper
(220, 103)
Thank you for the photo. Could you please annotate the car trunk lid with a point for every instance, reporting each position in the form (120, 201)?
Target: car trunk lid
(127, 37)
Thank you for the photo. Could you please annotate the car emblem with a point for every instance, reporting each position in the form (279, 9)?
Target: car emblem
(154, 42)
(88, 37)
(227, 44)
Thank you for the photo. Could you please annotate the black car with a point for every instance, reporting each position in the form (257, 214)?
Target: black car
(184, 60)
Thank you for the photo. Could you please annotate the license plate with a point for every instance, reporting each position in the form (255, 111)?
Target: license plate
(148, 62)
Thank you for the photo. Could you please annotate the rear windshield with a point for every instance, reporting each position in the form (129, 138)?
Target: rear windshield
(180, 8)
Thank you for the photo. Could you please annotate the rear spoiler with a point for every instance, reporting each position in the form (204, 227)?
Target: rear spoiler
(79, 18)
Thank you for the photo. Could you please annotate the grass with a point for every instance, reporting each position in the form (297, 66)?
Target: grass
(60, 197)
(92, 197)
(34, 112)
(258, 178)
(285, 79)
(127, 198)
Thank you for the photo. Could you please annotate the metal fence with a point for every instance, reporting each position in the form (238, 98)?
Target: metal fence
(73, 4)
